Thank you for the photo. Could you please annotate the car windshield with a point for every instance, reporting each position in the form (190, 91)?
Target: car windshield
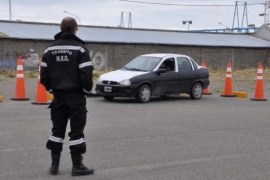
(143, 63)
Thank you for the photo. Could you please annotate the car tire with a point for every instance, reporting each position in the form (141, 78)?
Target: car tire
(108, 98)
(144, 93)
(196, 91)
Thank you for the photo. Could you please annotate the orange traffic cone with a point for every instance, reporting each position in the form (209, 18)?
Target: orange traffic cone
(203, 63)
(49, 96)
(259, 88)
(228, 88)
(20, 88)
(206, 91)
(41, 95)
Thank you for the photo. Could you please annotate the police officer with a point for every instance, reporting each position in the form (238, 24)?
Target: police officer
(66, 71)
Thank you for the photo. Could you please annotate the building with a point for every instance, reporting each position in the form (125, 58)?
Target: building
(112, 47)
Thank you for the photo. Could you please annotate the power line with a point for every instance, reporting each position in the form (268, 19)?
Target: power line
(201, 5)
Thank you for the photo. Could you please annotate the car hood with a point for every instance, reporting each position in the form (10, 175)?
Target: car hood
(120, 75)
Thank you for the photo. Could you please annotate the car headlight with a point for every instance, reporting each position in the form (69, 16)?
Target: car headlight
(125, 82)
(99, 80)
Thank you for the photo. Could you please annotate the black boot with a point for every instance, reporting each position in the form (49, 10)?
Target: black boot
(78, 169)
(55, 164)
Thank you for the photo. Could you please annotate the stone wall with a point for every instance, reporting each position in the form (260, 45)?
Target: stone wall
(117, 55)
(113, 56)
(31, 51)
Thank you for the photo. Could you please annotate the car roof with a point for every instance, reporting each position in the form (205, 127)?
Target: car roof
(162, 55)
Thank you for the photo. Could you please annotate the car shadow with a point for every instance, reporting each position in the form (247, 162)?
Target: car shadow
(153, 99)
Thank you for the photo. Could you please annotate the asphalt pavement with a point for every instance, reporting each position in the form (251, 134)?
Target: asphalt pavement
(175, 138)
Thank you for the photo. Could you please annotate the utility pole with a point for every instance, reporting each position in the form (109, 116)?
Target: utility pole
(129, 20)
(245, 14)
(266, 12)
(122, 20)
(10, 14)
(236, 15)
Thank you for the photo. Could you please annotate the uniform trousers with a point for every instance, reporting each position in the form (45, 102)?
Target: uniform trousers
(68, 106)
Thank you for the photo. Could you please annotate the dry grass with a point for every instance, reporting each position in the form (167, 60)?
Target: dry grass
(215, 74)
(6, 73)
(238, 74)
(243, 79)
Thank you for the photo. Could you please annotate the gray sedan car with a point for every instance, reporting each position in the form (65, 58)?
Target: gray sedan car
(155, 75)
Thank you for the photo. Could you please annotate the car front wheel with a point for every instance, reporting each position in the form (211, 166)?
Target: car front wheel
(144, 94)
(196, 91)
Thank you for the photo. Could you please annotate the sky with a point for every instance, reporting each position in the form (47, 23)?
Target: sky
(146, 14)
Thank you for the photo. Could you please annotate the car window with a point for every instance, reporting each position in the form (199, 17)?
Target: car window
(169, 64)
(145, 63)
(183, 64)
(195, 65)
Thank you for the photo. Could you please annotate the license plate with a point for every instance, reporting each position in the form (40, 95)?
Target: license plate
(107, 89)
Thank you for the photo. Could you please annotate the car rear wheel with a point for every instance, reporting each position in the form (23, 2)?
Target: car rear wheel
(108, 98)
(196, 91)
(144, 94)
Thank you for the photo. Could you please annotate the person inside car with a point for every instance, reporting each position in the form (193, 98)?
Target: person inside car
(164, 66)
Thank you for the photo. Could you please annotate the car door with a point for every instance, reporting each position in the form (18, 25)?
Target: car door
(165, 82)
(185, 74)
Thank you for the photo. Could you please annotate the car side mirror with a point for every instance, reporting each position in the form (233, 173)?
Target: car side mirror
(161, 70)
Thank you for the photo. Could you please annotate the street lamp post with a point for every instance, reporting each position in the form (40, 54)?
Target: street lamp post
(189, 22)
(223, 25)
(73, 15)
(227, 29)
